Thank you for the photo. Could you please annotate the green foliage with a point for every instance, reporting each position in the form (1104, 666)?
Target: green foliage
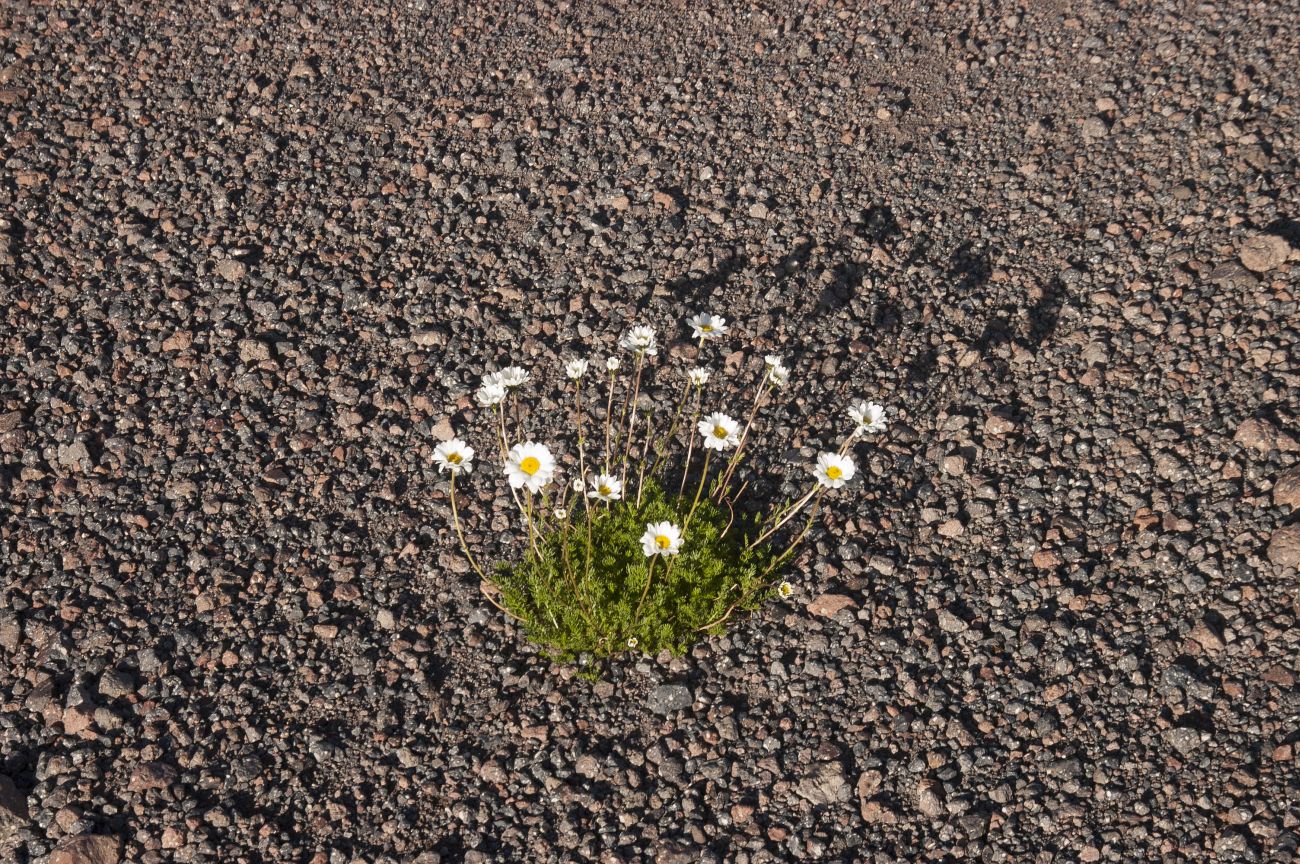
(583, 595)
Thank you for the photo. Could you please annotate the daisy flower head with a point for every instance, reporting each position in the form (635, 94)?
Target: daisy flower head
(455, 456)
(640, 339)
(605, 488)
(785, 589)
(611, 364)
(491, 393)
(833, 470)
(661, 538)
(561, 513)
(868, 417)
(631, 642)
(513, 376)
(529, 465)
(706, 326)
(771, 360)
(698, 376)
(575, 369)
(578, 485)
(719, 431)
(779, 376)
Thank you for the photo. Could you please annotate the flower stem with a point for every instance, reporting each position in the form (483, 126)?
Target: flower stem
(455, 521)
(672, 428)
(725, 478)
(794, 508)
(528, 518)
(690, 444)
(640, 479)
(649, 574)
(609, 415)
(577, 423)
(631, 417)
(704, 473)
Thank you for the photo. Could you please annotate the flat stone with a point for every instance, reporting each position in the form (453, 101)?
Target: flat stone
(231, 270)
(1286, 490)
(14, 814)
(828, 605)
(929, 800)
(825, 784)
(950, 623)
(667, 698)
(1264, 252)
(1183, 739)
(1284, 546)
(88, 849)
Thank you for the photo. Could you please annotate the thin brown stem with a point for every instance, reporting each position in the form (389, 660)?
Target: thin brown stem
(672, 428)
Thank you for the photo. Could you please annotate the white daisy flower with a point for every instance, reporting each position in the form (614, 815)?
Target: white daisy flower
(575, 369)
(785, 589)
(631, 642)
(771, 360)
(513, 376)
(611, 364)
(605, 488)
(491, 393)
(640, 339)
(706, 326)
(719, 431)
(529, 465)
(698, 376)
(561, 513)
(455, 456)
(833, 470)
(661, 538)
(868, 417)
(779, 376)
(578, 485)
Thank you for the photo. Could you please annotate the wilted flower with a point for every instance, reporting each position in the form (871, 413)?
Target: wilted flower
(529, 465)
(833, 470)
(455, 456)
(561, 513)
(611, 363)
(513, 376)
(605, 488)
(706, 326)
(575, 369)
(640, 339)
(771, 360)
(661, 538)
(785, 589)
(698, 376)
(868, 417)
(578, 485)
(779, 376)
(719, 431)
(491, 393)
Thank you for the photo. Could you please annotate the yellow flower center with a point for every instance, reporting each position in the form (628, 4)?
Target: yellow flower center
(530, 465)
(663, 541)
(706, 328)
(605, 490)
(719, 432)
(454, 458)
(834, 472)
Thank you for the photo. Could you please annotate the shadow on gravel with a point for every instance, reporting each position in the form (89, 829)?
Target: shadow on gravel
(697, 292)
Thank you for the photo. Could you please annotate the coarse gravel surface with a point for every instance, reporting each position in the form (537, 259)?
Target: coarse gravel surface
(255, 257)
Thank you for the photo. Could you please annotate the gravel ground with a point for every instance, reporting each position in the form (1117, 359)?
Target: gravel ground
(253, 260)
